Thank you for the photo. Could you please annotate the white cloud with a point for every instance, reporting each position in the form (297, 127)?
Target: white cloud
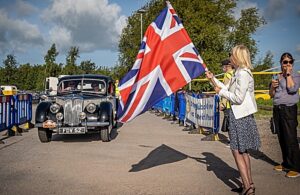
(91, 24)
(17, 35)
(275, 9)
(24, 9)
(61, 36)
(241, 5)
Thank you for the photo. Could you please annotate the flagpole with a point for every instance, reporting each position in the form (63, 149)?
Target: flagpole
(141, 11)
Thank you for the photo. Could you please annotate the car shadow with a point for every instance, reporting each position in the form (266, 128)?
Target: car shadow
(114, 133)
(89, 137)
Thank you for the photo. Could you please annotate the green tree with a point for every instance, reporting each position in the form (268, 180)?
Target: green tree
(87, 67)
(9, 75)
(25, 77)
(39, 79)
(71, 67)
(262, 81)
(52, 68)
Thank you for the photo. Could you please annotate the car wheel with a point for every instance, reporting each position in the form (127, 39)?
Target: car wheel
(45, 135)
(105, 133)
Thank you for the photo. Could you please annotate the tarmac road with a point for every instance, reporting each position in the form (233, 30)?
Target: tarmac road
(147, 156)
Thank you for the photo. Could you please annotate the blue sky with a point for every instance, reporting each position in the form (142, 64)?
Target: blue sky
(29, 27)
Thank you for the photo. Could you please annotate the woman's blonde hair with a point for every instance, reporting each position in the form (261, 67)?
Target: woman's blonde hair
(241, 56)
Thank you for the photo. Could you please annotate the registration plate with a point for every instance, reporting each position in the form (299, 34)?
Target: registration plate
(72, 130)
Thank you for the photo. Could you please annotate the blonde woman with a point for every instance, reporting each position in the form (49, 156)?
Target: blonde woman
(243, 133)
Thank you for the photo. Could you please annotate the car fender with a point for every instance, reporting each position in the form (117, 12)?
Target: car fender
(105, 112)
(42, 111)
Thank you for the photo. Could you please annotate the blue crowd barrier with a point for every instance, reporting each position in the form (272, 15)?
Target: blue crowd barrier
(158, 106)
(15, 110)
(173, 109)
(23, 108)
(6, 112)
(211, 118)
(182, 106)
(168, 105)
(216, 115)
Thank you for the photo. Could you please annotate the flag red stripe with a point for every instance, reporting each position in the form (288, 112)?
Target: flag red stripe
(189, 55)
(136, 101)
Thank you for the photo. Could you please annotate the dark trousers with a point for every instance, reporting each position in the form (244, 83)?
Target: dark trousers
(286, 123)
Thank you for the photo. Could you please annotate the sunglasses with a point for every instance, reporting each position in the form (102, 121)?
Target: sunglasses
(287, 61)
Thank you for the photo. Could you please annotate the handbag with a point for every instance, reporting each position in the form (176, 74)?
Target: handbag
(225, 123)
(272, 126)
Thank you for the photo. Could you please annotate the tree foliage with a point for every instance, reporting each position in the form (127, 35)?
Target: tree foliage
(52, 68)
(87, 67)
(9, 74)
(71, 67)
(32, 77)
(263, 81)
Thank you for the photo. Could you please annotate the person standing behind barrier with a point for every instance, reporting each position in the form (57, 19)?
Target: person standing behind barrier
(224, 104)
(243, 133)
(176, 105)
(117, 91)
(284, 92)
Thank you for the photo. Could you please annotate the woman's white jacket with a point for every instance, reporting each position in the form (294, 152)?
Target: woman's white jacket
(240, 93)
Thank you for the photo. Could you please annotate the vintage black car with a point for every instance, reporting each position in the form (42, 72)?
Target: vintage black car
(84, 103)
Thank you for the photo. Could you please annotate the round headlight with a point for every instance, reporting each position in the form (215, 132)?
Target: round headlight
(82, 115)
(59, 116)
(91, 108)
(54, 108)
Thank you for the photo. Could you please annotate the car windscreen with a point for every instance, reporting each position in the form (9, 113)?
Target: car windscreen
(95, 86)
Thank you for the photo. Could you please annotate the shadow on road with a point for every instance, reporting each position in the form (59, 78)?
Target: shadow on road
(222, 170)
(159, 156)
(262, 156)
(223, 139)
(165, 155)
(253, 153)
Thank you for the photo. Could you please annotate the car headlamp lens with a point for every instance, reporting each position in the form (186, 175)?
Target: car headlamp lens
(59, 116)
(54, 108)
(82, 115)
(91, 108)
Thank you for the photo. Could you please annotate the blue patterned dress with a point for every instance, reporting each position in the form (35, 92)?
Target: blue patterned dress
(243, 133)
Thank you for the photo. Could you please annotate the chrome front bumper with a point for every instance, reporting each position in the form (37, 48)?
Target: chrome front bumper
(84, 124)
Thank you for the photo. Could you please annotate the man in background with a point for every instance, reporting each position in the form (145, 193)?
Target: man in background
(224, 104)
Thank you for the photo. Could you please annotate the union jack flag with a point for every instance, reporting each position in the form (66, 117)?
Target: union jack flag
(167, 60)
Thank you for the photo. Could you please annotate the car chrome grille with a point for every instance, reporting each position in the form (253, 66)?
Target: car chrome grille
(72, 108)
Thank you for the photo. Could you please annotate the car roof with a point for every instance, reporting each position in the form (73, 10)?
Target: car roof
(88, 76)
